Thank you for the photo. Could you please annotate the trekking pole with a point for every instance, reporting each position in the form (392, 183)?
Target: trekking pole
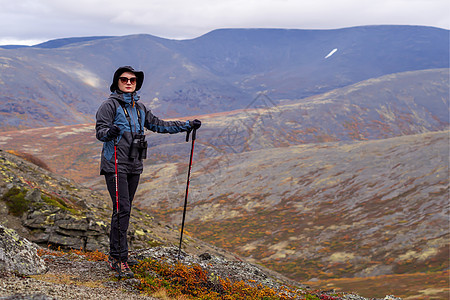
(116, 177)
(187, 186)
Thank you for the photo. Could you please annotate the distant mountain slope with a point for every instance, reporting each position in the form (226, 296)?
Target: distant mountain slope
(293, 64)
(319, 210)
(66, 81)
(68, 41)
(392, 105)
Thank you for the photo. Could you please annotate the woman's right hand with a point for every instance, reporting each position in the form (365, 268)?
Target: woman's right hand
(113, 131)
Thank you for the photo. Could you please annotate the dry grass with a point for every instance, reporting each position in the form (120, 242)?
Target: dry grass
(407, 286)
(31, 158)
(162, 294)
(68, 279)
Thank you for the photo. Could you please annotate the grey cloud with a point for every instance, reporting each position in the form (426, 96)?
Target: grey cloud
(47, 19)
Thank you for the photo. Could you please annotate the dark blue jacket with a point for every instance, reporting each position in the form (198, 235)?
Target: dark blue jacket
(111, 112)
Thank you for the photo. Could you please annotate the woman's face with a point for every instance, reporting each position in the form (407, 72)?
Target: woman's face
(127, 82)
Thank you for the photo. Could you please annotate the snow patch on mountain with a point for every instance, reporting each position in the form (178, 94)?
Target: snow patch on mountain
(331, 53)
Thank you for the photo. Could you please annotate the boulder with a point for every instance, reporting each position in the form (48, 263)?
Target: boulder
(60, 227)
(18, 255)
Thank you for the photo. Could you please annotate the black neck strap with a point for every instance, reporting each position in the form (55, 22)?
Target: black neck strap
(127, 115)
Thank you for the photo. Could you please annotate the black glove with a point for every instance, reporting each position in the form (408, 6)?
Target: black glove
(195, 124)
(113, 131)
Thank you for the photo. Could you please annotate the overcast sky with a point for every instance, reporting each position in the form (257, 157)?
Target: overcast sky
(34, 21)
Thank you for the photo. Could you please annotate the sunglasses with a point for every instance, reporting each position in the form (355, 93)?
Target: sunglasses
(124, 80)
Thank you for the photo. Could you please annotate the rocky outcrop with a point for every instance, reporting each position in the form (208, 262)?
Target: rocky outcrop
(19, 255)
(49, 209)
(58, 227)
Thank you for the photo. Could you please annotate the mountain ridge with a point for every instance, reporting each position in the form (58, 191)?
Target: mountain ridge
(219, 71)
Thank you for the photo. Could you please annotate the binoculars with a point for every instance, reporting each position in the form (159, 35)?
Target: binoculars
(138, 147)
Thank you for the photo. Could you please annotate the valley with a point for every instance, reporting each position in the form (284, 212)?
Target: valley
(325, 210)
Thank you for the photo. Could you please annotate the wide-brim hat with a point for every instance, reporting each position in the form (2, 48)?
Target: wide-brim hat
(120, 71)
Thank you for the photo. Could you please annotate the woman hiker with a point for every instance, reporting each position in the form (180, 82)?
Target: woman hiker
(120, 122)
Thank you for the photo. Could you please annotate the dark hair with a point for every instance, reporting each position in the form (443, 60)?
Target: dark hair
(120, 71)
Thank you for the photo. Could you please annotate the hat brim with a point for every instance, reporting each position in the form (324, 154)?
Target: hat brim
(139, 78)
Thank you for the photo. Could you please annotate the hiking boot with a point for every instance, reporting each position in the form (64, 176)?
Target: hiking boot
(132, 262)
(113, 263)
(126, 271)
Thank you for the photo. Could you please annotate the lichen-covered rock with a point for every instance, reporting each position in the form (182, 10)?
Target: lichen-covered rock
(19, 255)
(62, 228)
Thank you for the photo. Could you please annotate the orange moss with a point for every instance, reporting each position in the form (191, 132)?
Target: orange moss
(193, 282)
(88, 255)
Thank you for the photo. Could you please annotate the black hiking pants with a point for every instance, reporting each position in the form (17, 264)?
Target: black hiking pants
(128, 184)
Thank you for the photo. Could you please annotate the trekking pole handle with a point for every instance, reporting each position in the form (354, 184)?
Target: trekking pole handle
(194, 133)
